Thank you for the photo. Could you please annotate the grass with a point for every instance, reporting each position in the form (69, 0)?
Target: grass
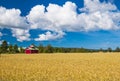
(60, 67)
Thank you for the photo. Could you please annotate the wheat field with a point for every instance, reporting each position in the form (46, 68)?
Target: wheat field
(60, 67)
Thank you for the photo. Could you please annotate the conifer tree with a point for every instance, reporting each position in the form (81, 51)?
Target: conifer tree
(4, 47)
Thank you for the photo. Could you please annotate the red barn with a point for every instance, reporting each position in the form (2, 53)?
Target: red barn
(31, 49)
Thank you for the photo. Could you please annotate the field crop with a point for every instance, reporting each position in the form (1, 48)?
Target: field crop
(60, 67)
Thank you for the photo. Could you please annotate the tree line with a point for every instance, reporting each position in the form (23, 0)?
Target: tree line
(12, 49)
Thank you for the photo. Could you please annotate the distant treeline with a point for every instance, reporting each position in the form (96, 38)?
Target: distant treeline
(12, 49)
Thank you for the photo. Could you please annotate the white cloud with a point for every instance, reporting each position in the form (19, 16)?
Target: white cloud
(61, 15)
(99, 16)
(11, 19)
(54, 18)
(36, 17)
(94, 16)
(21, 34)
(57, 20)
(49, 36)
(96, 5)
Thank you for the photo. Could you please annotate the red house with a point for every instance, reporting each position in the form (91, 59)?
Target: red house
(31, 49)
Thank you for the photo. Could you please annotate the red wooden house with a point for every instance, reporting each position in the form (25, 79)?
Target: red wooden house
(31, 49)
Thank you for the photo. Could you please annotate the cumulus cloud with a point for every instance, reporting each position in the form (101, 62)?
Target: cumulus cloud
(21, 34)
(94, 16)
(11, 19)
(96, 5)
(36, 17)
(62, 15)
(49, 36)
(54, 18)
(57, 20)
(97, 15)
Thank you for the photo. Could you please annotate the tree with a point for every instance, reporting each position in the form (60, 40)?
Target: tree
(10, 48)
(0, 49)
(21, 50)
(4, 47)
(16, 49)
(117, 49)
(109, 50)
(41, 48)
(48, 49)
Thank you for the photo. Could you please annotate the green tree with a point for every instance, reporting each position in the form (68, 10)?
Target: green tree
(57, 49)
(117, 49)
(10, 48)
(109, 49)
(49, 49)
(21, 50)
(16, 49)
(4, 47)
(83, 50)
(41, 48)
(0, 49)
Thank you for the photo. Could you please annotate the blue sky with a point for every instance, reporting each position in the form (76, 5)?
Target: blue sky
(62, 23)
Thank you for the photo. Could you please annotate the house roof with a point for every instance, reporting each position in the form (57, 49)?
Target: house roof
(32, 47)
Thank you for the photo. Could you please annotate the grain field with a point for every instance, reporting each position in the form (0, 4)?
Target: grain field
(60, 67)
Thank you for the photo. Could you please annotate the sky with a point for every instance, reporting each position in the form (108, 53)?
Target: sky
(90, 24)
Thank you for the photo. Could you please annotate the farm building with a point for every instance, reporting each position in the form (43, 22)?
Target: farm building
(31, 49)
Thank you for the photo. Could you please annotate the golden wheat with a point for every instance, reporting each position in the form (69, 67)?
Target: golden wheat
(60, 67)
